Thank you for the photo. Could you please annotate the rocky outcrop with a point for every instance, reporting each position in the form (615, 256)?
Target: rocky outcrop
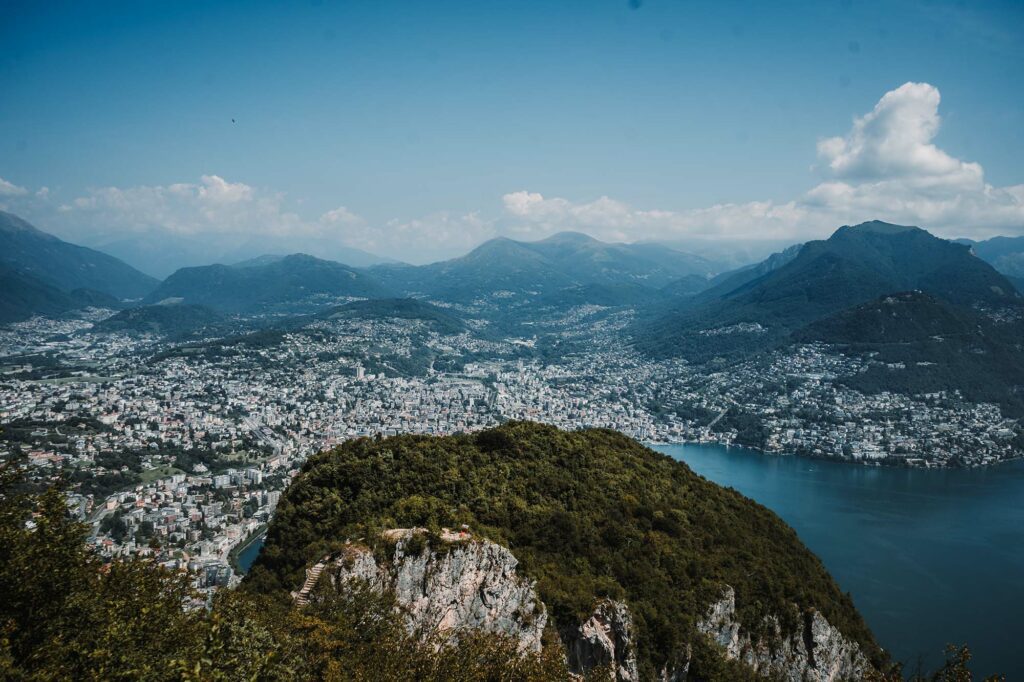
(606, 639)
(817, 652)
(464, 584)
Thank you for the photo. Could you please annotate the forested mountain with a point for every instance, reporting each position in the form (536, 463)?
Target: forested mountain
(569, 259)
(928, 345)
(855, 265)
(590, 515)
(24, 296)
(289, 283)
(173, 319)
(67, 266)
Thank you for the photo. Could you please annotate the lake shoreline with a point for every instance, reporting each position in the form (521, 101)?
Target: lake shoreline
(882, 464)
(930, 556)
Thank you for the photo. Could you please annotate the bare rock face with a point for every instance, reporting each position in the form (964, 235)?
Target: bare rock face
(607, 638)
(466, 584)
(816, 653)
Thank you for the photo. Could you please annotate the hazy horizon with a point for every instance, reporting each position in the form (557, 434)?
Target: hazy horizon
(416, 133)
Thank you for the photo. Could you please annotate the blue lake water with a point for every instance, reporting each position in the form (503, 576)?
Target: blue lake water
(249, 553)
(930, 556)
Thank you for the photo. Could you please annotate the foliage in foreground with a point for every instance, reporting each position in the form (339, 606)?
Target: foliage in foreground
(64, 615)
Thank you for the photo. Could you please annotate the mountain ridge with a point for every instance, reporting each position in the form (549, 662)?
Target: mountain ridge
(294, 280)
(67, 266)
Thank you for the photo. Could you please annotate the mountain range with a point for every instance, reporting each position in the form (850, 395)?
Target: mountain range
(788, 291)
(66, 266)
(291, 282)
(564, 261)
(160, 254)
(1005, 254)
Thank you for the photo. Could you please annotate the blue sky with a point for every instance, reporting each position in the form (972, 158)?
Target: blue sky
(421, 119)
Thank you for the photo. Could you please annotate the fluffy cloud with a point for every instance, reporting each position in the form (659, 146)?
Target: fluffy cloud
(9, 189)
(536, 216)
(894, 142)
(422, 240)
(886, 167)
(212, 205)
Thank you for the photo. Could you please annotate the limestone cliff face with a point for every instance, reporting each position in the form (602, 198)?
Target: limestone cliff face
(606, 639)
(472, 584)
(469, 584)
(817, 652)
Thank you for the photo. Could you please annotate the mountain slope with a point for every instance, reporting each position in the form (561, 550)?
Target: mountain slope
(296, 280)
(67, 266)
(504, 267)
(588, 514)
(855, 265)
(437, 318)
(1005, 254)
(923, 345)
(176, 319)
(24, 296)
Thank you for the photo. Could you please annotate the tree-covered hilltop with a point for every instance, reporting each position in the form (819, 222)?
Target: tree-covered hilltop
(66, 615)
(589, 514)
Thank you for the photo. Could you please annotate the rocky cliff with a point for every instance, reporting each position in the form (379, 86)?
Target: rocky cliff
(606, 639)
(453, 582)
(816, 652)
(591, 514)
(467, 584)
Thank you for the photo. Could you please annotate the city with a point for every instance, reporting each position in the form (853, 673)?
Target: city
(181, 454)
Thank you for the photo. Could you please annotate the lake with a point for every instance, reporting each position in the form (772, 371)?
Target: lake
(930, 556)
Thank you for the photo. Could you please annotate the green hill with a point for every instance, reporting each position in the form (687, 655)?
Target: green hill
(398, 308)
(941, 347)
(288, 283)
(588, 514)
(176, 319)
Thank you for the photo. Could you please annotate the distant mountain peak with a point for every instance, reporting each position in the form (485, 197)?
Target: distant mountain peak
(571, 237)
(879, 227)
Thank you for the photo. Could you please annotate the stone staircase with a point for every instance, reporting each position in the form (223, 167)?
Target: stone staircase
(301, 597)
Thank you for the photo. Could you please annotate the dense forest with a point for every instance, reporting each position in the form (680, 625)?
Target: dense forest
(588, 514)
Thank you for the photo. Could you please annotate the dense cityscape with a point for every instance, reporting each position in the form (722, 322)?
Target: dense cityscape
(180, 451)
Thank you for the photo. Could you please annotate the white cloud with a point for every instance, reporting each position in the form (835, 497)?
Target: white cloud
(211, 206)
(422, 240)
(894, 142)
(886, 167)
(340, 216)
(9, 189)
(612, 220)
